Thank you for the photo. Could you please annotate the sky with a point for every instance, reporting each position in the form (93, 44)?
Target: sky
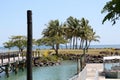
(13, 17)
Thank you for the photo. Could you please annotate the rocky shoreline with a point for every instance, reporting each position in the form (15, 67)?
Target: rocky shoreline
(50, 59)
(44, 63)
(73, 57)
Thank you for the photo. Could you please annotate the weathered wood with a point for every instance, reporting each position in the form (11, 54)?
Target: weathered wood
(7, 69)
(10, 63)
(8, 57)
(14, 57)
(16, 68)
(1, 59)
(78, 66)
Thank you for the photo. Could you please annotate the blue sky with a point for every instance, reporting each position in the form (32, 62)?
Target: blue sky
(13, 17)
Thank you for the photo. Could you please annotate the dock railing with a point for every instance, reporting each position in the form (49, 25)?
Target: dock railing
(81, 76)
(96, 75)
(74, 77)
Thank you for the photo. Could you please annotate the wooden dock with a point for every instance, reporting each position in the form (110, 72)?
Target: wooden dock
(12, 61)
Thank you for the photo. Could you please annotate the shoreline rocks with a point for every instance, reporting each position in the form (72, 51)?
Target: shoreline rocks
(38, 62)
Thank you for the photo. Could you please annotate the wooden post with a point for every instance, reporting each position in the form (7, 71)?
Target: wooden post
(13, 57)
(2, 59)
(104, 65)
(7, 69)
(8, 57)
(29, 45)
(18, 56)
(81, 64)
(37, 54)
(78, 66)
(16, 64)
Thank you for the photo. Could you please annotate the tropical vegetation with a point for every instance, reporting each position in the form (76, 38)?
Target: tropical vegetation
(16, 41)
(75, 32)
(113, 11)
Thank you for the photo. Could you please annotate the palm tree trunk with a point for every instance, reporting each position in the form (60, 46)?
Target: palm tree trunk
(56, 50)
(58, 46)
(70, 43)
(86, 44)
(21, 51)
(84, 52)
(66, 46)
(76, 43)
(53, 46)
(73, 42)
(80, 44)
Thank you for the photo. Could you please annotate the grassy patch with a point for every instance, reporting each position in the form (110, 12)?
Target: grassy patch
(90, 51)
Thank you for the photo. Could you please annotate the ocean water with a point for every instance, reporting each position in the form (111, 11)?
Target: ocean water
(2, 49)
(104, 46)
(61, 72)
(108, 66)
(66, 70)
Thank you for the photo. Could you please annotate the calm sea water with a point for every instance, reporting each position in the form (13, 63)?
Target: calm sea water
(2, 49)
(109, 65)
(104, 46)
(61, 72)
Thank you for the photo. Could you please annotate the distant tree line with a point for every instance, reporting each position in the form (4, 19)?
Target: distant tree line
(71, 32)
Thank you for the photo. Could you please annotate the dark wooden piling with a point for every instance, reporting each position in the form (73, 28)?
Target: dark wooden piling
(7, 69)
(22, 54)
(16, 67)
(22, 64)
(14, 57)
(81, 64)
(29, 45)
(1, 59)
(11, 65)
(78, 66)
(8, 57)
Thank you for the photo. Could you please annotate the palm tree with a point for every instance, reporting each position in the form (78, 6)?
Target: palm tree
(55, 34)
(92, 37)
(46, 37)
(19, 41)
(73, 24)
(113, 11)
(8, 44)
(48, 41)
(87, 35)
(38, 42)
(84, 32)
(67, 34)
